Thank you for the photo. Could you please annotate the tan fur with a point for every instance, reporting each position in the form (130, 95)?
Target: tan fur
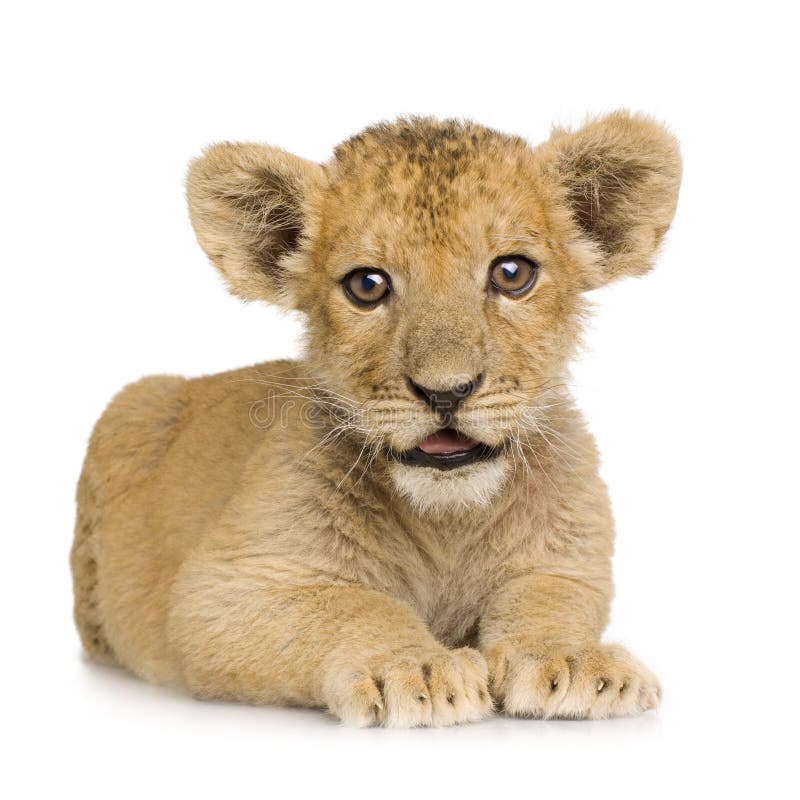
(245, 536)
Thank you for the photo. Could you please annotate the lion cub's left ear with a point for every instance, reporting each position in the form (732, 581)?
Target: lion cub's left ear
(252, 208)
(619, 177)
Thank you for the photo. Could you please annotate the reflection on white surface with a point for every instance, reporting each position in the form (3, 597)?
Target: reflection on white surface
(142, 739)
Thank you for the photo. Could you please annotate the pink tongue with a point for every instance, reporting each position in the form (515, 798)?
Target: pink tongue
(446, 441)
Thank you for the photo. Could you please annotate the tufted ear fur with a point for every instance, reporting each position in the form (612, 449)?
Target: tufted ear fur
(251, 207)
(619, 176)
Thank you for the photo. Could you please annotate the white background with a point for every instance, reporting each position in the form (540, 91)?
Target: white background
(689, 380)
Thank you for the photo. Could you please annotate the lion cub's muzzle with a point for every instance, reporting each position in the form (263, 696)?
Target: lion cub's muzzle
(448, 447)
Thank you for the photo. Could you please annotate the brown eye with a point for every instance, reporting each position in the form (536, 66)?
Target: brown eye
(366, 287)
(513, 275)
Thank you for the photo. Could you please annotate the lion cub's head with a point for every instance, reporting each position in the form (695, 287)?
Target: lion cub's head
(441, 268)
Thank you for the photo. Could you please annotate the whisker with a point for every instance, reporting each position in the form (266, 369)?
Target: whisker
(544, 472)
(358, 458)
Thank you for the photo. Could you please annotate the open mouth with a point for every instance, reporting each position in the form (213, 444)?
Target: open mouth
(446, 449)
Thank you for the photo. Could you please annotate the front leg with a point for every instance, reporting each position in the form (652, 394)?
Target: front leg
(541, 637)
(363, 655)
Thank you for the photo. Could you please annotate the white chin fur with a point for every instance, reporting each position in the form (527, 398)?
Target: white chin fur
(440, 491)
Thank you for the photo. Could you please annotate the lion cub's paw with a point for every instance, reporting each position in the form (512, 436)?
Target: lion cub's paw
(400, 691)
(587, 683)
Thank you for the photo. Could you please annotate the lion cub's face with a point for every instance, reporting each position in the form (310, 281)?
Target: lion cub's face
(441, 267)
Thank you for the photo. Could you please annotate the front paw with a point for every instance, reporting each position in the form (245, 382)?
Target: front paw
(442, 687)
(550, 681)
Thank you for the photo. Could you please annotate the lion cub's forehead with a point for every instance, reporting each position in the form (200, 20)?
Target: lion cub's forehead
(428, 142)
(421, 181)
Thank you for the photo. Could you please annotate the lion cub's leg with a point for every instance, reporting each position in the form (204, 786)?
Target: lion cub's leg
(540, 635)
(363, 655)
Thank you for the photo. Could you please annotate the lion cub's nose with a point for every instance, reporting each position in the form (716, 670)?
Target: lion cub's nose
(445, 401)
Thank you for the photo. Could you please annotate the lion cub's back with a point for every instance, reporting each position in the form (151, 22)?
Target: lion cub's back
(162, 461)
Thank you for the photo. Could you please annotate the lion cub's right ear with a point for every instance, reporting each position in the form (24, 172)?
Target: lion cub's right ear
(252, 208)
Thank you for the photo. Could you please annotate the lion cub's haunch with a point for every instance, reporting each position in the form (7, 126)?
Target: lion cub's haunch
(406, 527)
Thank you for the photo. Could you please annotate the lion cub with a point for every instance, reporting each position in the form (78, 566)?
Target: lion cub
(406, 527)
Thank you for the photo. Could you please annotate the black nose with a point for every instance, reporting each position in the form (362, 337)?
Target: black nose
(445, 401)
